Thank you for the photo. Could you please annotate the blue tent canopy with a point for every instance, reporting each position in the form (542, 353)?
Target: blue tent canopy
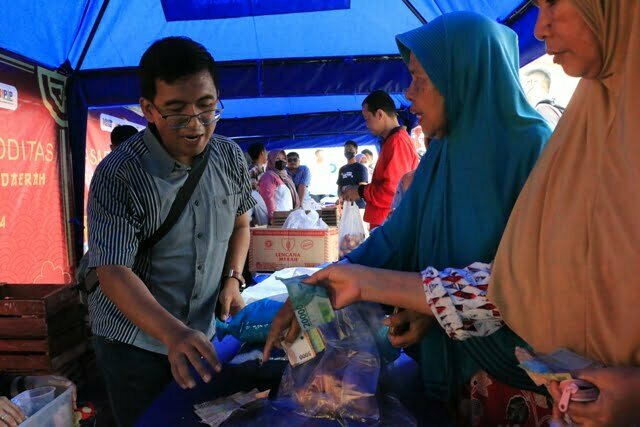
(325, 53)
(266, 48)
(291, 73)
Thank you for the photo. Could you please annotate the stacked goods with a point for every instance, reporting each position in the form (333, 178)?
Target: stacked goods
(330, 215)
(42, 329)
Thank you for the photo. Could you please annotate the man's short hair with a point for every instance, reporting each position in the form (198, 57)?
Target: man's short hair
(255, 150)
(293, 154)
(544, 75)
(367, 152)
(121, 133)
(319, 151)
(352, 143)
(380, 100)
(170, 59)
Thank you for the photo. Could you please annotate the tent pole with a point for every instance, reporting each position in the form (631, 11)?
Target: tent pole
(518, 12)
(92, 34)
(413, 10)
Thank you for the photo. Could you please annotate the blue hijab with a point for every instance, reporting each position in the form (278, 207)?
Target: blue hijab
(463, 191)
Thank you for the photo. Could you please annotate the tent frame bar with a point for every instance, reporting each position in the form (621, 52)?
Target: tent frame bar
(415, 11)
(92, 34)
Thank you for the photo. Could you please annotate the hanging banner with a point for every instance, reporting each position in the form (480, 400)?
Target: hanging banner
(35, 173)
(100, 123)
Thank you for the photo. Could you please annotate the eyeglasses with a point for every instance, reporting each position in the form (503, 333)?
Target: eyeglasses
(181, 121)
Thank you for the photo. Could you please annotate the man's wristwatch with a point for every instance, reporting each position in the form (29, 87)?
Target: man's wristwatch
(236, 275)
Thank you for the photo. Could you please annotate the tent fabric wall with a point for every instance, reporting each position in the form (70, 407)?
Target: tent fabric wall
(35, 238)
(267, 78)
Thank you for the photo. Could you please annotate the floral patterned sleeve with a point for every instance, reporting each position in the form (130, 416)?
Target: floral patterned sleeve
(458, 299)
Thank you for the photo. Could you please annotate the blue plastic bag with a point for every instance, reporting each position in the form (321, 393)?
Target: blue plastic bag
(252, 323)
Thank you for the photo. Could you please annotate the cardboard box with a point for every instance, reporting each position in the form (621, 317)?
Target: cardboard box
(273, 249)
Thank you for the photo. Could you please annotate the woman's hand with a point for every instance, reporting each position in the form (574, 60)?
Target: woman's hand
(10, 414)
(408, 327)
(345, 283)
(617, 403)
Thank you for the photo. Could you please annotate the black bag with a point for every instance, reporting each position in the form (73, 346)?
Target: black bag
(88, 277)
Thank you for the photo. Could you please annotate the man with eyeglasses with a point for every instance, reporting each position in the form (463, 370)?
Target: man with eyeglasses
(300, 175)
(152, 314)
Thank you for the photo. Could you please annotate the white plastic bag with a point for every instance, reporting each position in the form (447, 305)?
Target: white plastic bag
(310, 205)
(299, 219)
(351, 229)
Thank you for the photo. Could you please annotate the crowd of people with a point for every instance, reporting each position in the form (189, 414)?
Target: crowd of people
(545, 223)
(282, 183)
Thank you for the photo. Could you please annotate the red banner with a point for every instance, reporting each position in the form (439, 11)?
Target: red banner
(35, 174)
(100, 123)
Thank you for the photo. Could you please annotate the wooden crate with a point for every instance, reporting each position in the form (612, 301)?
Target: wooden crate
(42, 327)
(40, 363)
(35, 300)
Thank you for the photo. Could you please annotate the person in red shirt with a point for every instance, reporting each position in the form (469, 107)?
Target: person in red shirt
(397, 157)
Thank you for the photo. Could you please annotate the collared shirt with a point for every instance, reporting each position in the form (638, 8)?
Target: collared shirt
(130, 196)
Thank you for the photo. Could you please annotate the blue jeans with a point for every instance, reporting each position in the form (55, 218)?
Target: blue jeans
(134, 378)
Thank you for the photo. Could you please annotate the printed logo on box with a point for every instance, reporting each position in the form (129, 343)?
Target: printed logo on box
(306, 244)
(288, 244)
(8, 97)
(268, 244)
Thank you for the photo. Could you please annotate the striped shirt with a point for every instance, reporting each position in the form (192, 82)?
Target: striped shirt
(130, 196)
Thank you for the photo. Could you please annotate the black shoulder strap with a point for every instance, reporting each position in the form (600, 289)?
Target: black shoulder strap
(182, 198)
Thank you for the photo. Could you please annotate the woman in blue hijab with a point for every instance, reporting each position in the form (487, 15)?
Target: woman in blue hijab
(486, 139)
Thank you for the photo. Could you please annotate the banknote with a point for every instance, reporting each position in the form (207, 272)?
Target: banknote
(317, 340)
(299, 351)
(215, 412)
(556, 366)
(306, 346)
(310, 303)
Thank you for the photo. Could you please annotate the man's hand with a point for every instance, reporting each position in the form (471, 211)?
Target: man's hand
(230, 298)
(10, 414)
(617, 404)
(187, 346)
(284, 321)
(411, 327)
(350, 193)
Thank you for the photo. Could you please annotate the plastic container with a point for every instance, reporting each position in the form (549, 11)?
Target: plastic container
(31, 401)
(57, 413)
